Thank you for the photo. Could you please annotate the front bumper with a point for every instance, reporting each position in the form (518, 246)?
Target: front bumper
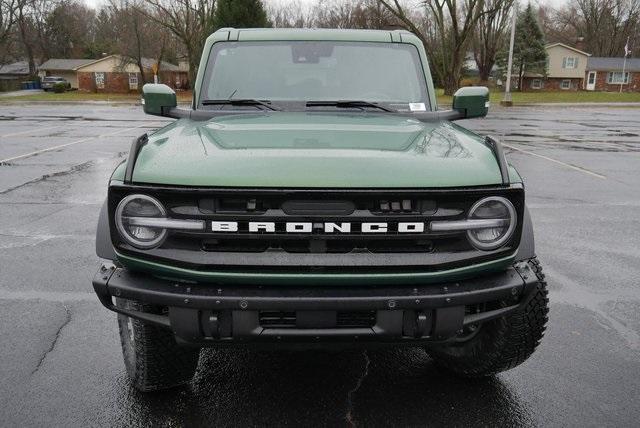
(212, 314)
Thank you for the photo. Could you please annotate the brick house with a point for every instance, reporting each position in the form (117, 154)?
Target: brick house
(566, 67)
(119, 75)
(605, 74)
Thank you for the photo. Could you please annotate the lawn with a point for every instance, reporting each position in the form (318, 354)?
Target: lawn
(85, 96)
(556, 97)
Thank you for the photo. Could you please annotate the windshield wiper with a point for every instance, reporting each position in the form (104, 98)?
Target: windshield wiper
(349, 103)
(240, 102)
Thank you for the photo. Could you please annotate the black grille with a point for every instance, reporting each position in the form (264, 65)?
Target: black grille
(286, 250)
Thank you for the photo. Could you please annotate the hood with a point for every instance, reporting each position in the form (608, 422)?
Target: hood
(316, 150)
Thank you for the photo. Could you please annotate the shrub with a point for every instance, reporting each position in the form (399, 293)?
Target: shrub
(59, 88)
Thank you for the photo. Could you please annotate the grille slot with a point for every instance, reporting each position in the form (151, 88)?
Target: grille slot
(277, 319)
(344, 319)
(355, 319)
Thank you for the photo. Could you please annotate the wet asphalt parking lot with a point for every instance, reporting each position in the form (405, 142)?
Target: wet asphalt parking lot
(60, 358)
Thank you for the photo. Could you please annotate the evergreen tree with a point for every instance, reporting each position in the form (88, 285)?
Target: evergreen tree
(240, 14)
(529, 53)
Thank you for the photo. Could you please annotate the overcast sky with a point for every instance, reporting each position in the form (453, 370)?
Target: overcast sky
(96, 3)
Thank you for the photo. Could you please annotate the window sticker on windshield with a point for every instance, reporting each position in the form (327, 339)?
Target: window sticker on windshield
(417, 107)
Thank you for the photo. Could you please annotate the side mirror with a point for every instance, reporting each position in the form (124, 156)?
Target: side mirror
(158, 99)
(471, 101)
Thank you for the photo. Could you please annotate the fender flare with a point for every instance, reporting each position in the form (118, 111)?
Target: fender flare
(527, 248)
(104, 247)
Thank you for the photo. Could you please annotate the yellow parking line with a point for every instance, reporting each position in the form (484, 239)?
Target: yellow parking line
(83, 140)
(568, 165)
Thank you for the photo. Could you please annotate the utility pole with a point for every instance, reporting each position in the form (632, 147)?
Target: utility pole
(506, 101)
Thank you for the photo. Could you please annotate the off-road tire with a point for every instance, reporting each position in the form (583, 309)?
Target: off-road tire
(500, 344)
(153, 359)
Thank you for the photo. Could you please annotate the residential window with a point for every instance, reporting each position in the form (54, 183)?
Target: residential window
(569, 62)
(133, 81)
(536, 84)
(565, 84)
(616, 77)
(99, 77)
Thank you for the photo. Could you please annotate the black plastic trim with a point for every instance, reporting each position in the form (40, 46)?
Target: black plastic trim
(104, 246)
(133, 156)
(143, 187)
(189, 305)
(527, 248)
(498, 152)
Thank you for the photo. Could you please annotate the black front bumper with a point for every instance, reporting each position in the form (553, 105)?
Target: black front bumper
(211, 314)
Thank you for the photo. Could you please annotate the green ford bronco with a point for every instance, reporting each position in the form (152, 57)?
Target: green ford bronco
(313, 195)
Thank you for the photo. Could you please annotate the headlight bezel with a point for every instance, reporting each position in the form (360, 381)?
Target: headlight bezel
(513, 222)
(122, 228)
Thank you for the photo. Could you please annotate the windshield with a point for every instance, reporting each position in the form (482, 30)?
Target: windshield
(389, 73)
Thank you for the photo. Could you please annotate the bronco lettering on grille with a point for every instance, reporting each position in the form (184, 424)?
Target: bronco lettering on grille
(327, 227)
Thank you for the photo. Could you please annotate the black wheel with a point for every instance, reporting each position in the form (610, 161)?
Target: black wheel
(499, 344)
(153, 359)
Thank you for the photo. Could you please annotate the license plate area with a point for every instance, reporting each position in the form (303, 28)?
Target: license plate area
(317, 319)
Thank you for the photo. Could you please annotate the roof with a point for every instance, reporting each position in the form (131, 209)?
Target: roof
(20, 67)
(64, 64)
(613, 64)
(312, 34)
(146, 62)
(553, 45)
(164, 66)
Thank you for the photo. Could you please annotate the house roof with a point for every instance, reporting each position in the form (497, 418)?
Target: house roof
(568, 47)
(146, 63)
(64, 64)
(613, 64)
(75, 64)
(20, 67)
(166, 66)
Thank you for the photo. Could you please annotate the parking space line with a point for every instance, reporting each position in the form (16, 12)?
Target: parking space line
(568, 165)
(48, 128)
(83, 140)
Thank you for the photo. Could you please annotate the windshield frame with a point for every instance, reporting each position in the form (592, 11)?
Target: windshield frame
(300, 105)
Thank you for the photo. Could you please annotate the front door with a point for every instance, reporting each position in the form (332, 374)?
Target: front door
(591, 81)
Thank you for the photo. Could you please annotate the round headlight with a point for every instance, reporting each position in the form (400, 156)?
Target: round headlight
(133, 207)
(492, 208)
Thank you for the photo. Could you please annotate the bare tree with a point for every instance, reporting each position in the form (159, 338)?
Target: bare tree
(291, 15)
(490, 35)
(63, 29)
(447, 30)
(604, 24)
(8, 18)
(138, 37)
(191, 21)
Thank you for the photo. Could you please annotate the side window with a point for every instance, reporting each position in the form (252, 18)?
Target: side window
(99, 77)
(536, 84)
